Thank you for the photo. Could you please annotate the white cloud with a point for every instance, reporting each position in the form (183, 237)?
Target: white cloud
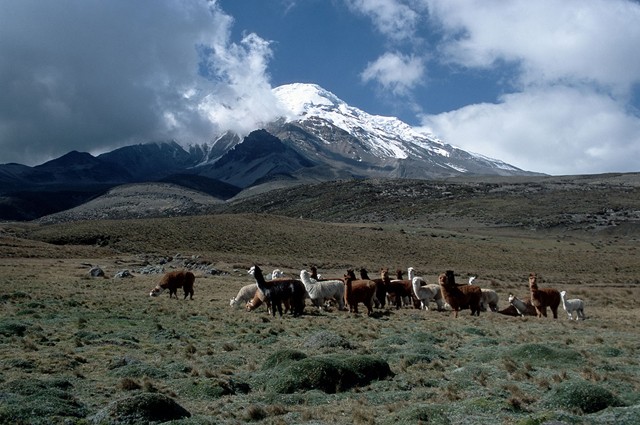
(555, 130)
(392, 18)
(553, 40)
(92, 75)
(395, 72)
(576, 67)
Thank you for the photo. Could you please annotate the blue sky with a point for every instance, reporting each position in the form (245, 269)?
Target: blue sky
(547, 85)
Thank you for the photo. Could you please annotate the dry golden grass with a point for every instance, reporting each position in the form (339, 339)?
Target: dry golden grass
(79, 343)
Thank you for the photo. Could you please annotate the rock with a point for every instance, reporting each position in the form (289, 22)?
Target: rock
(96, 271)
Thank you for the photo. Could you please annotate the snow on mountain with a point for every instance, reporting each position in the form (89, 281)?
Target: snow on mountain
(387, 136)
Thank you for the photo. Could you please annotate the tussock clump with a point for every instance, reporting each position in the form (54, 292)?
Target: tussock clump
(214, 388)
(420, 413)
(325, 339)
(540, 354)
(282, 358)
(141, 408)
(11, 328)
(581, 395)
(39, 402)
(330, 374)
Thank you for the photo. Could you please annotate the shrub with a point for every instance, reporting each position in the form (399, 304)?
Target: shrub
(420, 413)
(282, 357)
(582, 395)
(39, 402)
(141, 408)
(540, 354)
(330, 374)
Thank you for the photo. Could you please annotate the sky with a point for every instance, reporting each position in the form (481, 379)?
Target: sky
(551, 86)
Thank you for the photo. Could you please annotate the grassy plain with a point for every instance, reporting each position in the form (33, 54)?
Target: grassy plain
(72, 345)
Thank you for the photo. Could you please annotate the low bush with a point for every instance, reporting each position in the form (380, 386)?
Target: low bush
(582, 395)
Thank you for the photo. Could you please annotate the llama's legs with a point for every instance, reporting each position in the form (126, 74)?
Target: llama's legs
(554, 311)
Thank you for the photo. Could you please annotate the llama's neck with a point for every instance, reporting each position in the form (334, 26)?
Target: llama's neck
(257, 274)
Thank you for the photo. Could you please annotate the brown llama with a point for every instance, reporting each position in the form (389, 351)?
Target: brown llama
(460, 297)
(541, 298)
(174, 280)
(359, 291)
(397, 288)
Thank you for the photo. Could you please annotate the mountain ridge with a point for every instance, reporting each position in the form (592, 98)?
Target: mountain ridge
(321, 138)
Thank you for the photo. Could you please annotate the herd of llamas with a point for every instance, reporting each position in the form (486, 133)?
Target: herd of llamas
(347, 292)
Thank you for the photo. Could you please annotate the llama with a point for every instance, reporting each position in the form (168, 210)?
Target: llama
(541, 298)
(399, 288)
(258, 299)
(359, 291)
(320, 291)
(489, 299)
(381, 291)
(572, 305)
(245, 294)
(276, 291)
(459, 297)
(426, 293)
(523, 308)
(276, 274)
(174, 280)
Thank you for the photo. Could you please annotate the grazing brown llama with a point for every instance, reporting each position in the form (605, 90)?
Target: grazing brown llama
(541, 298)
(359, 291)
(174, 280)
(460, 297)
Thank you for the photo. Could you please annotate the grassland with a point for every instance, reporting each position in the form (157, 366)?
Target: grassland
(77, 350)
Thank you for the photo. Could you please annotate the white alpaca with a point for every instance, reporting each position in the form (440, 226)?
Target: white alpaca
(277, 273)
(519, 305)
(570, 306)
(245, 294)
(471, 279)
(426, 293)
(321, 291)
(489, 299)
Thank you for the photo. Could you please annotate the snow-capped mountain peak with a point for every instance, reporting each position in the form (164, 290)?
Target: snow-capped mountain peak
(386, 137)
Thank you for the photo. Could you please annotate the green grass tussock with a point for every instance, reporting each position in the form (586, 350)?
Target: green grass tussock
(583, 396)
(328, 373)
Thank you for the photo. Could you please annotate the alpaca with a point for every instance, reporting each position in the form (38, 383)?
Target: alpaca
(258, 299)
(276, 291)
(426, 293)
(460, 296)
(381, 291)
(245, 294)
(359, 291)
(174, 280)
(523, 308)
(399, 288)
(277, 273)
(489, 299)
(320, 291)
(572, 305)
(541, 298)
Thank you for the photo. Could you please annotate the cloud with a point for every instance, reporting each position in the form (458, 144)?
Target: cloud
(92, 75)
(392, 18)
(576, 69)
(395, 72)
(553, 41)
(555, 130)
